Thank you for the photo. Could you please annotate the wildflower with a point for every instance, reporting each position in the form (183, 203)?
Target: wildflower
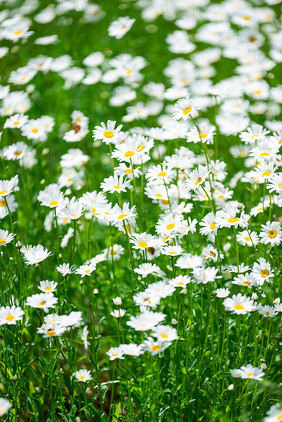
(169, 225)
(115, 353)
(271, 233)
(5, 237)
(274, 414)
(228, 217)
(189, 261)
(205, 275)
(16, 121)
(222, 293)
(267, 311)
(161, 289)
(35, 254)
(262, 271)
(146, 320)
(5, 405)
(8, 186)
(64, 269)
(172, 250)
(51, 196)
(72, 209)
(83, 375)
(120, 27)
(247, 238)
(119, 313)
(155, 347)
(54, 329)
(160, 174)
(246, 280)
(114, 252)
(84, 270)
(132, 349)
(114, 184)
(147, 298)
(197, 178)
(248, 372)
(118, 214)
(146, 269)
(74, 319)
(10, 315)
(184, 108)
(107, 133)
(180, 281)
(165, 333)
(42, 301)
(117, 301)
(239, 304)
(47, 286)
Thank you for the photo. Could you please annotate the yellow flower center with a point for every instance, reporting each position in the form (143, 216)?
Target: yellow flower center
(115, 355)
(170, 226)
(48, 289)
(264, 154)
(164, 336)
(108, 134)
(272, 234)
(203, 135)
(164, 201)
(199, 180)
(128, 171)
(246, 18)
(246, 283)
(158, 195)
(2, 203)
(18, 32)
(140, 148)
(34, 130)
(3, 191)
(121, 216)
(16, 123)
(53, 203)
(42, 303)
(250, 374)
(264, 273)
(155, 347)
(51, 332)
(113, 252)
(143, 244)
(187, 110)
(266, 174)
(82, 377)
(233, 219)
(87, 271)
(213, 226)
(239, 307)
(10, 317)
(172, 253)
(2, 241)
(129, 153)
(248, 239)
(117, 187)
(162, 174)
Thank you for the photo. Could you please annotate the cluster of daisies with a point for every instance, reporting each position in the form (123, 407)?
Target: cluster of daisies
(166, 157)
